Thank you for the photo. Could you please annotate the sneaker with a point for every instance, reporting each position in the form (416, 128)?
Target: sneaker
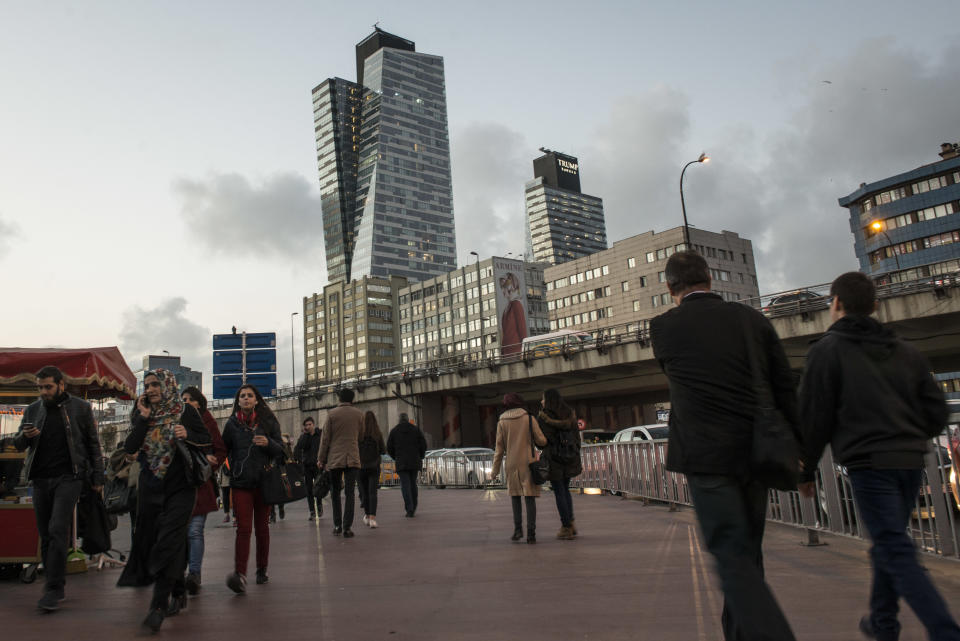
(531, 538)
(566, 534)
(154, 619)
(366, 520)
(409, 515)
(226, 518)
(59, 592)
(337, 531)
(237, 582)
(262, 576)
(192, 583)
(372, 521)
(49, 601)
(347, 534)
(517, 534)
(312, 517)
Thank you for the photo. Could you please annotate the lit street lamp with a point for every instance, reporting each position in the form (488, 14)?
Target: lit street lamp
(878, 227)
(293, 360)
(686, 228)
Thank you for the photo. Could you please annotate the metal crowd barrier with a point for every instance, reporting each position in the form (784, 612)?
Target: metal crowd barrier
(637, 469)
(458, 467)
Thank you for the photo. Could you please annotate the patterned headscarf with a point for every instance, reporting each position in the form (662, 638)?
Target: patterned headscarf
(159, 444)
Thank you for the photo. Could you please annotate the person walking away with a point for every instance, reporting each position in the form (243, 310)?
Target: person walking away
(340, 453)
(515, 429)
(252, 437)
(559, 425)
(872, 397)
(701, 345)
(287, 456)
(305, 453)
(407, 447)
(371, 448)
(206, 494)
(166, 498)
(63, 452)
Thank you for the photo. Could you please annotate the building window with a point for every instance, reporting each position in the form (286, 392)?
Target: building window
(643, 281)
(655, 300)
(625, 286)
(662, 277)
(631, 262)
(651, 257)
(605, 270)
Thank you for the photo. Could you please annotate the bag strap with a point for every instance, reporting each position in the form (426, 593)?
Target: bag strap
(761, 386)
(530, 427)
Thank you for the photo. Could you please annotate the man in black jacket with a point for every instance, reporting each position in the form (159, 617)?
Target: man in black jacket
(305, 453)
(872, 397)
(64, 451)
(407, 447)
(701, 346)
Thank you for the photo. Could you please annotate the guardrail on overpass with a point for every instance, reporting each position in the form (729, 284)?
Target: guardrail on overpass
(638, 469)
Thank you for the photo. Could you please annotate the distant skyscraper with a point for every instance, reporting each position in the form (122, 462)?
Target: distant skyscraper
(383, 155)
(562, 222)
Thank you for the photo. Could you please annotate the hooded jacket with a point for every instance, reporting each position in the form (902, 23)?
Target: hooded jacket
(871, 396)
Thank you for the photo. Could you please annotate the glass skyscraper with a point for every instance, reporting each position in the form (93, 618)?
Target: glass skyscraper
(562, 223)
(383, 154)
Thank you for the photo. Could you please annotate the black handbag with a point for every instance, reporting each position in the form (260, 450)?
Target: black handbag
(195, 463)
(321, 486)
(118, 496)
(93, 523)
(282, 482)
(540, 468)
(775, 452)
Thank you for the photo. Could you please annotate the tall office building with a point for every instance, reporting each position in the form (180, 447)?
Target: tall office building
(383, 155)
(562, 222)
(906, 226)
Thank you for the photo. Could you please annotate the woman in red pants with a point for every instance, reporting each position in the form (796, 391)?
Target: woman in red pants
(252, 437)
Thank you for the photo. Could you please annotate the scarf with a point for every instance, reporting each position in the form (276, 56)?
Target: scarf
(250, 420)
(159, 445)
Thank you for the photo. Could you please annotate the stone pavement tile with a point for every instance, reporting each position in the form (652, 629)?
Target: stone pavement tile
(635, 572)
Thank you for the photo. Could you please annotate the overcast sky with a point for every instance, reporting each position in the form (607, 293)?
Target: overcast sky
(158, 168)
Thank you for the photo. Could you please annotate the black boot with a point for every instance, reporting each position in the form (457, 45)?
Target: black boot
(517, 534)
(177, 602)
(154, 619)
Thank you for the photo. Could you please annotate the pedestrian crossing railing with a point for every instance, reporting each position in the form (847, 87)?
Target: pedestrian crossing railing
(637, 469)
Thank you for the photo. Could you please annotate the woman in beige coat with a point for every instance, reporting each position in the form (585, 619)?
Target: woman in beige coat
(513, 438)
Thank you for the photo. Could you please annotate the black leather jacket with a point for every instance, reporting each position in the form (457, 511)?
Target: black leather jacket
(83, 441)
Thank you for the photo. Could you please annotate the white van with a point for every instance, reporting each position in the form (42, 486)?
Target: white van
(655, 432)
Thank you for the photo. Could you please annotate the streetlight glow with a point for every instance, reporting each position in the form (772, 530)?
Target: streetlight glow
(704, 157)
(876, 225)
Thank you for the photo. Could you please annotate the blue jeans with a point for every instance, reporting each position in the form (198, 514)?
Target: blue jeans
(408, 488)
(885, 499)
(561, 492)
(195, 540)
(732, 514)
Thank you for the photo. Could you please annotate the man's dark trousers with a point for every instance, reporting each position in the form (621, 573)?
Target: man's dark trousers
(408, 488)
(310, 478)
(885, 499)
(53, 503)
(732, 514)
(344, 478)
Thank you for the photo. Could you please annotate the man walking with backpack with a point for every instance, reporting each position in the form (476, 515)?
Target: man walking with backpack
(559, 424)
(872, 397)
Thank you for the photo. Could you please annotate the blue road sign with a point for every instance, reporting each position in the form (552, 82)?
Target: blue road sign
(226, 385)
(252, 354)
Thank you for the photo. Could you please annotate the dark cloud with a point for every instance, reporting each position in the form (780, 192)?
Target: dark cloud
(8, 233)
(279, 218)
(490, 165)
(884, 112)
(165, 327)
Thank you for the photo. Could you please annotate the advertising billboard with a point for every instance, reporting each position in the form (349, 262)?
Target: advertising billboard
(511, 288)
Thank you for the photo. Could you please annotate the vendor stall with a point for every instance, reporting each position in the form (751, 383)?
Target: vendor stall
(95, 373)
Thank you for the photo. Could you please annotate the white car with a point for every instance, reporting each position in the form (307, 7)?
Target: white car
(655, 432)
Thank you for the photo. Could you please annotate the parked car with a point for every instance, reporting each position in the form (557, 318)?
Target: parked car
(655, 432)
(467, 466)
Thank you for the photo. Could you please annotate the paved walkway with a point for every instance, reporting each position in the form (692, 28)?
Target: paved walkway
(636, 572)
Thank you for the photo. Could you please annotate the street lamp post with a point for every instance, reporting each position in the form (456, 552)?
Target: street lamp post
(483, 349)
(686, 228)
(293, 360)
(878, 227)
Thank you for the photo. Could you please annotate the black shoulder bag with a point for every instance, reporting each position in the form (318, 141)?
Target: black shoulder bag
(282, 482)
(775, 454)
(195, 463)
(540, 468)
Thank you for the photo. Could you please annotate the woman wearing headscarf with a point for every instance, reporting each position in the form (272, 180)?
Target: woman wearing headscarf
(559, 424)
(514, 430)
(165, 498)
(252, 437)
(371, 446)
(206, 493)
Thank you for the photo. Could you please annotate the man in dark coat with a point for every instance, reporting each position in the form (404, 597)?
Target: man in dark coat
(407, 447)
(305, 453)
(701, 346)
(872, 397)
(64, 452)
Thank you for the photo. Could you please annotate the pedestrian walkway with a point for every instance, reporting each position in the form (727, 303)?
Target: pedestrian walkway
(635, 572)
